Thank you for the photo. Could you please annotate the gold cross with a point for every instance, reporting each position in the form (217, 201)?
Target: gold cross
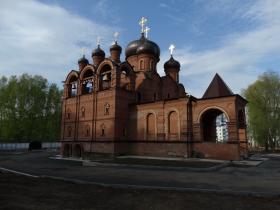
(142, 22)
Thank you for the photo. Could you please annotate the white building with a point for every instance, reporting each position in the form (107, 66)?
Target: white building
(221, 128)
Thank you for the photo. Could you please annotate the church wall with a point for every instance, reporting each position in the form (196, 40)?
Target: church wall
(122, 114)
(105, 115)
(86, 113)
(169, 88)
(217, 150)
(70, 116)
(152, 148)
(161, 111)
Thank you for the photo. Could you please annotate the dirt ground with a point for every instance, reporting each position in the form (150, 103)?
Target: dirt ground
(20, 192)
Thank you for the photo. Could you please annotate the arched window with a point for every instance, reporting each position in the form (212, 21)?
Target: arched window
(151, 124)
(141, 64)
(102, 128)
(72, 86)
(105, 77)
(173, 123)
(83, 111)
(68, 114)
(87, 131)
(106, 109)
(88, 82)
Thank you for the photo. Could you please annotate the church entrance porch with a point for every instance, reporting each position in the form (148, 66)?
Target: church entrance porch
(214, 124)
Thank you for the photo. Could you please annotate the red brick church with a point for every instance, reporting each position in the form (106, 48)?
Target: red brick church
(113, 107)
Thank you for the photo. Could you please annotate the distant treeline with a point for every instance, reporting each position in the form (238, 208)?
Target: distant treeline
(30, 109)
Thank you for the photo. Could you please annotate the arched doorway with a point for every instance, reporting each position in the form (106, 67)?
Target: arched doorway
(214, 124)
(66, 150)
(77, 151)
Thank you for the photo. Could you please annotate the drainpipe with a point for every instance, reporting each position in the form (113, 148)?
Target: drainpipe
(189, 126)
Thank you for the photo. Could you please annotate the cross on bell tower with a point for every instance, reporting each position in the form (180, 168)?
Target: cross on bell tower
(116, 36)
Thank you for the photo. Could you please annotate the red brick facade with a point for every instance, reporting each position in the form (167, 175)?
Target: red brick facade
(126, 108)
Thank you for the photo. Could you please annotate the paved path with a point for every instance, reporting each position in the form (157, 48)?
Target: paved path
(262, 178)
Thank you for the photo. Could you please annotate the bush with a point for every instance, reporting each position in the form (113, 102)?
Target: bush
(35, 145)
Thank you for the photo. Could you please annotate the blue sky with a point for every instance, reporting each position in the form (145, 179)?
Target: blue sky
(239, 39)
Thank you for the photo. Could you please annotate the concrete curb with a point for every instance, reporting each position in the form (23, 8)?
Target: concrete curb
(223, 164)
(17, 172)
(173, 168)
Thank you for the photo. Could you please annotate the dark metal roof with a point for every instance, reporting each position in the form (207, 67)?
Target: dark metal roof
(217, 88)
(98, 52)
(83, 60)
(171, 63)
(142, 45)
(115, 46)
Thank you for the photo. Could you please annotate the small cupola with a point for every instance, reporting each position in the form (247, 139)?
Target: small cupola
(172, 67)
(115, 51)
(98, 55)
(172, 64)
(82, 62)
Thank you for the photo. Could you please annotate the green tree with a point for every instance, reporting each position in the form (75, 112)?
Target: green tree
(264, 109)
(29, 109)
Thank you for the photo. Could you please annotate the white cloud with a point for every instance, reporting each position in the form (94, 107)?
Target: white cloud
(238, 57)
(45, 39)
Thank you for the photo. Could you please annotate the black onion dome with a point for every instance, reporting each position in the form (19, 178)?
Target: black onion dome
(83, 60)
(98, 52)
(142, 45)
(148, 47)
(115, 46)
(172, 63)
(132, 48)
